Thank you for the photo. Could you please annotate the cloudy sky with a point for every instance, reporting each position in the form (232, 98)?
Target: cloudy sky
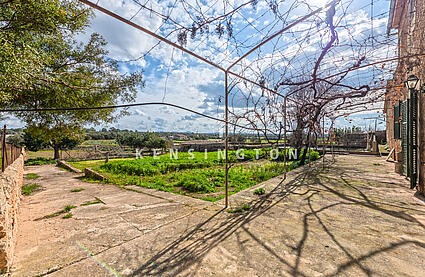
(174, 77)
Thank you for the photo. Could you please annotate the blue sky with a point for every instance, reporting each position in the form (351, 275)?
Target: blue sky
(177, 78)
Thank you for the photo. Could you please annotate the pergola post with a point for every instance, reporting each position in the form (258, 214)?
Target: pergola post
(226, 141)
(284, 138)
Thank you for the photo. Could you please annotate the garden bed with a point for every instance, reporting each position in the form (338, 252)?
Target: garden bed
(194, 174)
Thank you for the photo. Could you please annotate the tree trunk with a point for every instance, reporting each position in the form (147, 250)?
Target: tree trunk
(57, 153)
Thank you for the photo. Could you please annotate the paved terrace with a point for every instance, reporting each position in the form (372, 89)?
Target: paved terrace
(355, 218)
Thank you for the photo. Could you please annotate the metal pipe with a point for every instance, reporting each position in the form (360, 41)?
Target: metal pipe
(284, 136)
(226, 142)
(333, 140)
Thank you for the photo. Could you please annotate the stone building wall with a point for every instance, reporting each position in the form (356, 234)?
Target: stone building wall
(411, 51)
(10, 192)
(417, 66)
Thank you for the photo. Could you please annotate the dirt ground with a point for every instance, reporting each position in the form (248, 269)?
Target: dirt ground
(353, 218)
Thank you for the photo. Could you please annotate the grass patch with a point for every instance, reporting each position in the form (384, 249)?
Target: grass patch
(68, 215)
(77, 190)
(244, 207)
(65, 210)
(68, 208)
(31, 176)
(39, 161)
(93, 164)
(30, 188)
(259, 191)
(51, 215)
(212, 198)
(97, 201)
(377, 164)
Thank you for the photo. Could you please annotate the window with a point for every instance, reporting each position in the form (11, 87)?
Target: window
(397, 122)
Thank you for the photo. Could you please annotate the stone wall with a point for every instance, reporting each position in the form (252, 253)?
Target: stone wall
(10, 192)
(410, 23)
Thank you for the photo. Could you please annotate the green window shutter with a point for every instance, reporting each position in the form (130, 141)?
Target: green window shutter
(397, 120)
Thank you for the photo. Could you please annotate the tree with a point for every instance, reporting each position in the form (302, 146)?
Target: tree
(33, 141)
(38, 137)
(25, 26)
(154, 141)
(132, 139)
(148, 140)
(16, 140)
(69, 74)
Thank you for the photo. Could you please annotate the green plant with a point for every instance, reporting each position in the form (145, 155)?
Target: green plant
(259, 191)
(68, 215)
(31, 176)
(77, 190)
(68, 208)
(97, 201)
(51, 215)
(29, 188)
(244, 207)
(196, 183)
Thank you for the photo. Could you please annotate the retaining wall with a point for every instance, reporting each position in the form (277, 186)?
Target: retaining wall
(10, 193)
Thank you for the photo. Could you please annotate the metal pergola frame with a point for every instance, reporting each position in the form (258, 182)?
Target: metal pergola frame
(228, 71)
